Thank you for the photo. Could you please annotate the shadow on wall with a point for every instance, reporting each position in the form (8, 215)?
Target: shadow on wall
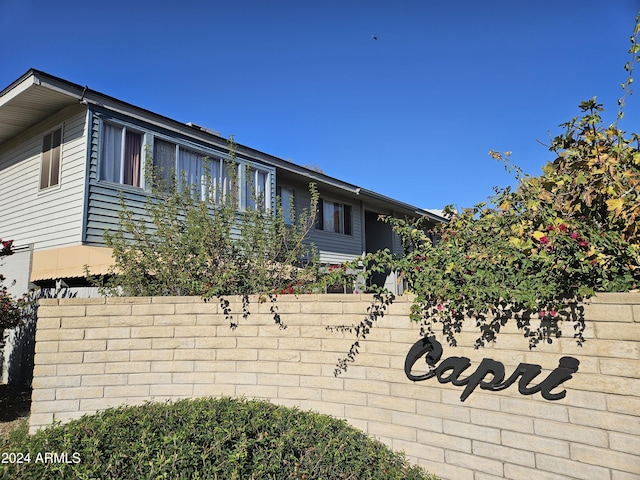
(17, 345)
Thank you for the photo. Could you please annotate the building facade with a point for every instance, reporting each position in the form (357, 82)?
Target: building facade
(68, 154)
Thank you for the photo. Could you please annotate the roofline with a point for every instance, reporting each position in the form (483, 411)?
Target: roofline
(86, 95)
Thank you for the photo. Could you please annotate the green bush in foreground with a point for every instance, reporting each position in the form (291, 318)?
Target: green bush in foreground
(207, 438)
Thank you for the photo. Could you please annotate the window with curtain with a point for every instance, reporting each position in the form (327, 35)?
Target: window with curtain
(333, 217)
(218, 178)
(256, 189)
(164, 162)
(121, 160)
(50, 162)
(121, 155)
(191, 168)
(285, 195)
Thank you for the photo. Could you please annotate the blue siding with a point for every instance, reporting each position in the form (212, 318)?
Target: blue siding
(103, 198)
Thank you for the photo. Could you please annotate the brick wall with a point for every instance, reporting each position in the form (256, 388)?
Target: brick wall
(95, 353)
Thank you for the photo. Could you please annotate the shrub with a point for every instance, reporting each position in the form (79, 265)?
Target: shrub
(534, 253)
(12, 309)
(209, 438)
(194, 239)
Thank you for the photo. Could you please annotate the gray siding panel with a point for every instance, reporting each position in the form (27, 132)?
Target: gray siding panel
(52, 217)
(333, 248)
(104, 198)
(104, 205)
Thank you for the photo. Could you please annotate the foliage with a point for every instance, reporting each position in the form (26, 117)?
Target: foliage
(201, 244)
(534, 253)
(375, 311)
(209, 438)
(537, 251)
(12, 310)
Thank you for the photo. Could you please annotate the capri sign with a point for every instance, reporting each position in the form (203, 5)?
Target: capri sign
(450, 370)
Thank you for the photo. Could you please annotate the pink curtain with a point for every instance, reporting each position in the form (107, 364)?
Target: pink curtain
(132, 149)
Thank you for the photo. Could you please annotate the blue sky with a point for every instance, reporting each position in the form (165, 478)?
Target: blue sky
(410, 115)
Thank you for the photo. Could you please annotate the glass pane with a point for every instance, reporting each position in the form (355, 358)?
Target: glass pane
(250, 193)
(255, 188)
(286, 201)
(347, 219)
(55, 157)
(261, 188)
(212, 179)
(111, 153)
(227, 181)
(164, 162)
(190, 170)
(132, 154)
(45, 166)
(327, 215)
(338, 218)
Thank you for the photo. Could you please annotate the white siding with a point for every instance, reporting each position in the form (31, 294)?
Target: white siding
(52, 217)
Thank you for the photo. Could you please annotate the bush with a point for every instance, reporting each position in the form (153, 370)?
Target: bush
(195, 243)
(208, 438)
(12, 310)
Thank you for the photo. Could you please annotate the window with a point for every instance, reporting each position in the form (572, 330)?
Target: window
(202, 172)
(286, 202)
(333, 217)
(256, 189)
(191, 168)
(178, 163)
(220, 176)
(50, 164)
(164, 163)
(121, 155)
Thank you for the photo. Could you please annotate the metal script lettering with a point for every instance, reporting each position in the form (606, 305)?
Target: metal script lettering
(450, 369)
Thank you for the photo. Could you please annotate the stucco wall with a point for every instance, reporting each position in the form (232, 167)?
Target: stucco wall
(96, 353)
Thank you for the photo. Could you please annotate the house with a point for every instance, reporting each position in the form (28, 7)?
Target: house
(67, 152)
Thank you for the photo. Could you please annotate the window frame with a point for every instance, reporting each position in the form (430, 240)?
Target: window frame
(50, 152)
(125, 128)
(290, 208)
(346, 225)
(247, 202)
(222, 180)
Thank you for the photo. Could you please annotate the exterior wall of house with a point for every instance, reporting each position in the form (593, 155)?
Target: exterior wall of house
(52, 217)
(333, 248)
(103, 202)
(97, 353)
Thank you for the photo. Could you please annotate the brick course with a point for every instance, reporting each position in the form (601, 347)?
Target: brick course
(92, 354)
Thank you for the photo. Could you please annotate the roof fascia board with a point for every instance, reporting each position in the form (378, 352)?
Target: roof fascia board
(86, 95)
(17, 88)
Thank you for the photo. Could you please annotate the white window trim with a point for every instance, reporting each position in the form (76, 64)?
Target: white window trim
(332, 232)
(148, 139)
(144, 145)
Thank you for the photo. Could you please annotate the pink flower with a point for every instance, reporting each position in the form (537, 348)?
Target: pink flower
(583, 243)
(544, 240)
(541, 313)
(550, 228)
(574, 235)
(440, 307)
(553, 313)
(562, 227)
